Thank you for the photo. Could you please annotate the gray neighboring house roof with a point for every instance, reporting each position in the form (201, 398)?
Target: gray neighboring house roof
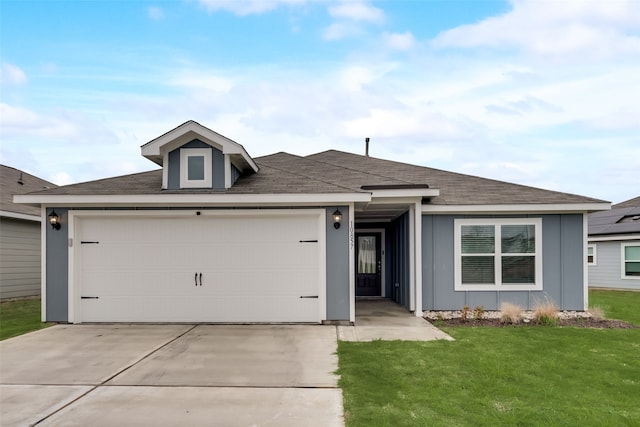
(623, 218)
(340, 172)
(14, 181)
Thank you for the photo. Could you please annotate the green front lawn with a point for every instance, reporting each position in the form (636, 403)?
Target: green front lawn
(621, 305)
(19, 317)
(524, 376)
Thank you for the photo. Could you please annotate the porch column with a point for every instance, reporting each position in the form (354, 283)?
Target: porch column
(417, 207)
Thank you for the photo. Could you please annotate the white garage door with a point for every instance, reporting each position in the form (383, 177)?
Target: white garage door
(213, 267)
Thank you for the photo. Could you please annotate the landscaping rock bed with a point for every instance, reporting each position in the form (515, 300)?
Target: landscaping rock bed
(580, 319)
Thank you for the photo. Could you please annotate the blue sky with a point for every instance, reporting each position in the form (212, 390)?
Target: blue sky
(542, 93)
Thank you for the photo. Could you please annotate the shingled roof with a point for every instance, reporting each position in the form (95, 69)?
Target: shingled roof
(623, 218)
(14, 181)
(340, 172)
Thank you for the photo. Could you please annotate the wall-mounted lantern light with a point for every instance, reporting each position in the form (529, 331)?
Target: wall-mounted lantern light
(337, 219)
(53, 220)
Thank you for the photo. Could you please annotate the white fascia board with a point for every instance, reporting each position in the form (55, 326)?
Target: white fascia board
(16, 215)
(614, 238)
(537, 208)
(193, 199)
(405, 193)
(394, 200)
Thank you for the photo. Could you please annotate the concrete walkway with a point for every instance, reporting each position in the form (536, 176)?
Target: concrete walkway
(382, 319)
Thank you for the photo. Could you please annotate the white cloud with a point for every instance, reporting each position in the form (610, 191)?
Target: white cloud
(572, 27)
(12, 74)
(155, 13)
(341, 30)
(61, 178)
(198, 80)
(399, 41)
(357, 11)
(246, 7)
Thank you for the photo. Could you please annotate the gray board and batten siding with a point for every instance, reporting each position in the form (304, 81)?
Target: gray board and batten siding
(337, 267)
(562, 266)
(19, 258)
(607, 273)
(57, 253)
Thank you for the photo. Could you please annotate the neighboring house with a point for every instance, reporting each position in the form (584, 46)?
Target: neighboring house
(218, 236)
(20, 232)
(613, 253)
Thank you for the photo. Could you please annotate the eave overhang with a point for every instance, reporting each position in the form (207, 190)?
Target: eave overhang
(525, 208)
(178, 200)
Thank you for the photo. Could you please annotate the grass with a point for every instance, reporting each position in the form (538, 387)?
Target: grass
(621, 305)
(516, 376)
(19, 317)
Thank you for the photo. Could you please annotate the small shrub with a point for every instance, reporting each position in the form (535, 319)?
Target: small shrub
(546, 313)
(597, 313)
(478, 312)
(465, 313)
(510, 314)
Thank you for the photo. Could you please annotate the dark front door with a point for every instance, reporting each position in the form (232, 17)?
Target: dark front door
(368, 264)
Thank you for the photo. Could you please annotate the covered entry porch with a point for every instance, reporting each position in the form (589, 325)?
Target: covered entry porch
(387, 245)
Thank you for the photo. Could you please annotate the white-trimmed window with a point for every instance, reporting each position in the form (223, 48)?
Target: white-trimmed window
(498, 254)
(591, 255)
(195, 168)
(630, 260)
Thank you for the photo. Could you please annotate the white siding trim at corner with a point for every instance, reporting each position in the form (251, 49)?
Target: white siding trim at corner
(165, 171)
(352, 265)
(73, 292)
(412, 258)
(221, 200)
(534, 208)
(585, 267)
(43, 265)
(418, 258)
(16, 215)
(227, 171)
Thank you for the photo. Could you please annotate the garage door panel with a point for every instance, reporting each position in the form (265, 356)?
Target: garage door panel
(254, 268)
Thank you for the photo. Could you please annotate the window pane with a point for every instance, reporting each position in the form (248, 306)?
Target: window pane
(590, 251)
(632, 268)
(478, 270)
(632, 253)
(590, 259)
(195, 165)
(518, 269)
(518, 239)
(478, 239)
(367, 254)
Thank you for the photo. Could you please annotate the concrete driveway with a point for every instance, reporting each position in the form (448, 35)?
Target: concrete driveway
(105, 375)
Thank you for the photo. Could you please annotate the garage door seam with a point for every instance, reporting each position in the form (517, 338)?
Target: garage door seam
(103, 383)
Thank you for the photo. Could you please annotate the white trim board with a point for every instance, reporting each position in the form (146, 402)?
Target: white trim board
(534, 208)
